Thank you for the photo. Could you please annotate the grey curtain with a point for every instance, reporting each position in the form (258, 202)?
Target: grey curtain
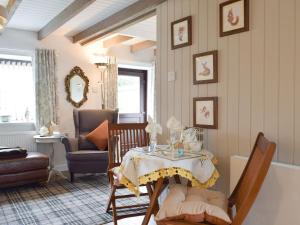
(45, 87)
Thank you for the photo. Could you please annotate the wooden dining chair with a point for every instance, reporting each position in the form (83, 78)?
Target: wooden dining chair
(123, 137)
(249, 184)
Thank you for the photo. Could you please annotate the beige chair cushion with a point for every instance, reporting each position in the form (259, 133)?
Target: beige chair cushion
(194, 205)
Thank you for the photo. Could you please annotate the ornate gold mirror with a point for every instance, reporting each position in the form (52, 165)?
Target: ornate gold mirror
(77, 87)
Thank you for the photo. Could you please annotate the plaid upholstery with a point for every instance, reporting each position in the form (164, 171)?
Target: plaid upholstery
(60, 202)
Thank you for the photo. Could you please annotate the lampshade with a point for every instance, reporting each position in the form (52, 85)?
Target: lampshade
(101, 62)
(101, 65)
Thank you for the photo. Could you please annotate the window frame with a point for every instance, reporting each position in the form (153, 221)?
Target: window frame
(143, 75)
(21, 125)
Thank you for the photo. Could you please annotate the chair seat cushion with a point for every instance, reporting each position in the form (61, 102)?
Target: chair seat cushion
(180, 222)
(86, 155)
(194, 205)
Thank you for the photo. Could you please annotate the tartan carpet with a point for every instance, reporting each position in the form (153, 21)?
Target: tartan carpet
(60, 202)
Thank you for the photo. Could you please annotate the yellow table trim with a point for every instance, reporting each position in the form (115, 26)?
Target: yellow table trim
(169, 172)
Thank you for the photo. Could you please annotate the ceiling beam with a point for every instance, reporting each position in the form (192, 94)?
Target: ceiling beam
(122, 18)
(11, 7)
(116, 40)
(142, 45)
(118, 28)
(68, 13)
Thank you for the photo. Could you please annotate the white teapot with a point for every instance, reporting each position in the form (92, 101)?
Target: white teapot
(44, 131)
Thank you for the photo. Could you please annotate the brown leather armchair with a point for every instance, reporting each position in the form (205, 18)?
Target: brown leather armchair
(82, 155)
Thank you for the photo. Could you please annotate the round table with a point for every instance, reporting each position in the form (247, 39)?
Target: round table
(141, 168)
(50, 140)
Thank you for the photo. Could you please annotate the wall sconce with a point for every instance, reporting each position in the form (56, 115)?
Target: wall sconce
(3, 17)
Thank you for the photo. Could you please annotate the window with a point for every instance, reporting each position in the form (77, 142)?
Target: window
(129, 88)
(17, 98)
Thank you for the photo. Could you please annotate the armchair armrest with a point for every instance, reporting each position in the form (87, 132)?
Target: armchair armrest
(71, 144)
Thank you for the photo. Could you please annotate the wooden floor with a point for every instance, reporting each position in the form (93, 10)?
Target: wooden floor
(133, 221)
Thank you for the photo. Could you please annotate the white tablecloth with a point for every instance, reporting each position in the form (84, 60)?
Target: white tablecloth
(138, 168)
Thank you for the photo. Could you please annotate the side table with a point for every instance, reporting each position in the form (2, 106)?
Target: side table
(50, 140)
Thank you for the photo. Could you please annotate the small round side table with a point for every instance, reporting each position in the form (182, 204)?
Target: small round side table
(51, 140)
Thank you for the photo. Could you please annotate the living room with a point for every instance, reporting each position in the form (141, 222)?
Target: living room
(96, 95)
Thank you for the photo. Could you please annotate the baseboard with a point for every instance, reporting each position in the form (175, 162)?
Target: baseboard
(62, 167)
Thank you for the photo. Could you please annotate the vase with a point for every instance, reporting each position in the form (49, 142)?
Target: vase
(153, 143)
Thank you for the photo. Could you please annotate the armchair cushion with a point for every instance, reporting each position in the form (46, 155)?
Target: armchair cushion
(84, 143)
(99, 136)
(88, 120)
(194, 205)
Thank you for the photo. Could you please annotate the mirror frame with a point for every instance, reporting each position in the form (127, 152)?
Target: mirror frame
(79, 72)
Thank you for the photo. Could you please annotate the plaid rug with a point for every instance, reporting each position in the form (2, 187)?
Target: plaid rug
(61, 202)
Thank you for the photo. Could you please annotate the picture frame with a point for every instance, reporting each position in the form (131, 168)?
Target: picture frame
(205, 67)
(181, 33)
(234, 17)
(205, 112)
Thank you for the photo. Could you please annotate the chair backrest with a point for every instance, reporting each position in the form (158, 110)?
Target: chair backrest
(87, 120)
(252, 178)
(123, 137)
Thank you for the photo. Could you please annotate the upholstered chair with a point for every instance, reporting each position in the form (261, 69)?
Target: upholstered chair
(82, 155)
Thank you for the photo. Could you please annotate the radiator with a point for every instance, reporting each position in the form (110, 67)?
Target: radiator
(278, 200)
(23, 139)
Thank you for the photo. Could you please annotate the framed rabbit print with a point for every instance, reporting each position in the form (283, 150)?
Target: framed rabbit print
(205, 110)
(181, 32)
(234, 17)
(205, 67)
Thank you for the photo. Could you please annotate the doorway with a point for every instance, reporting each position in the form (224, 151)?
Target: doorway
(132, 95)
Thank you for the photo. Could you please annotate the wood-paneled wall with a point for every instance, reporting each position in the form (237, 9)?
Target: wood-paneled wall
(259, 77)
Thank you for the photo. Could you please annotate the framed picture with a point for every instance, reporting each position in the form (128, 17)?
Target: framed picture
(181, 31)
(234, 17)
(205, 110)
(205, 66)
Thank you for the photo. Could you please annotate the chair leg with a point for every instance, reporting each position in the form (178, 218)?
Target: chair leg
(111, 195)
(114, 207)
(71, 177)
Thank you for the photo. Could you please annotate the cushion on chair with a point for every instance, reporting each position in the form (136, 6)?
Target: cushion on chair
(99, 136)
(84, 144)
(194, 205)
(88, 155)
(180, 222)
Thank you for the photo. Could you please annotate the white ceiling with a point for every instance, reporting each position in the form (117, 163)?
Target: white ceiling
(96, 12)
(32, 15)
(145, 29)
